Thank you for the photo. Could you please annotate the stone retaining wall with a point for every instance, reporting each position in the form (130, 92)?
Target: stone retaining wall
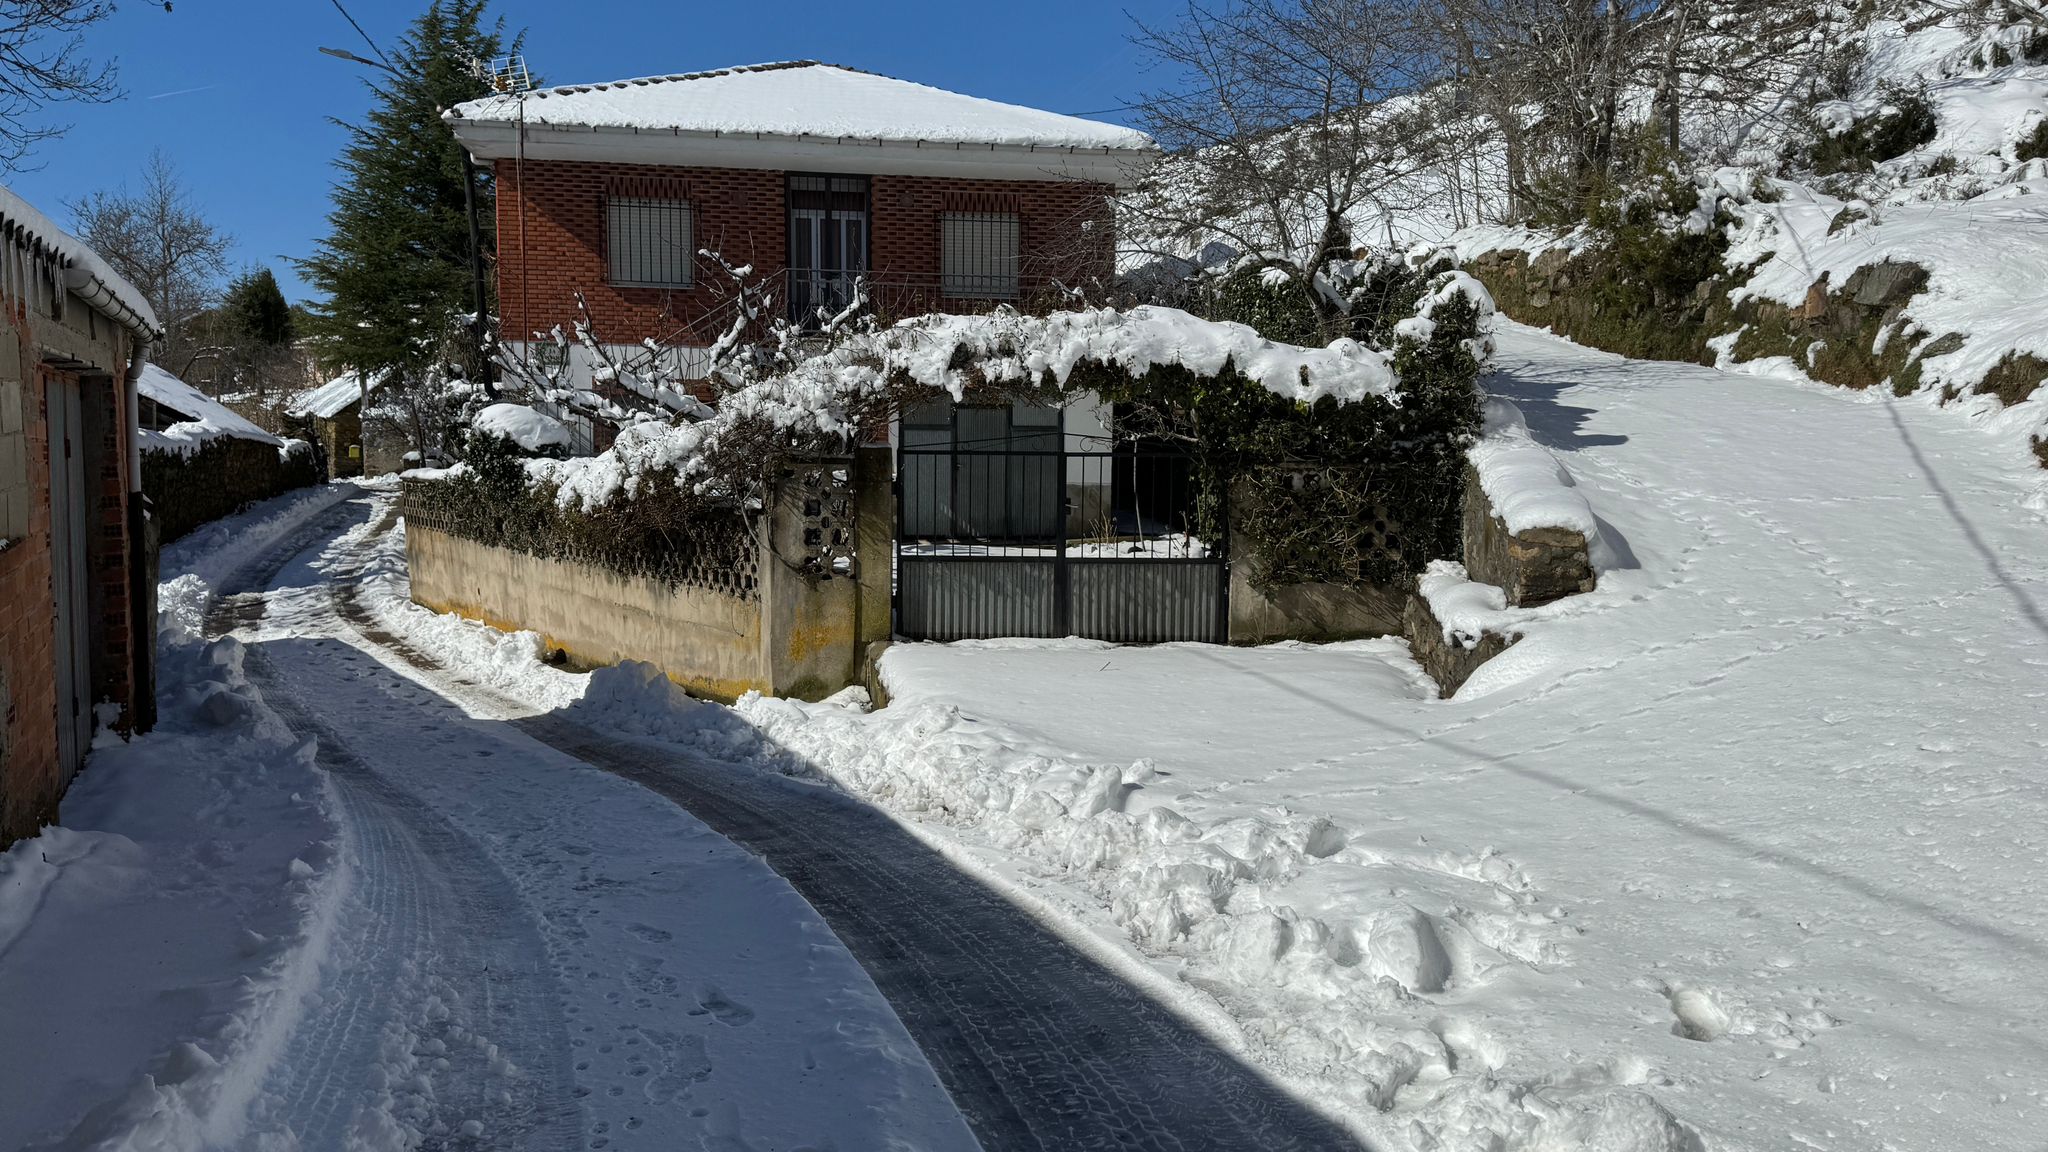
(1532, 567)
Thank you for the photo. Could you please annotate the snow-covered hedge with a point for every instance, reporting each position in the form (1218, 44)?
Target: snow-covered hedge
(1395, 412)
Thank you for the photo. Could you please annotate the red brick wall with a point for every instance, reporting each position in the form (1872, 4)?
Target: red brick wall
(31, 779)
(1064, 231)
(28, 767)
(740, 213)
(560, 236)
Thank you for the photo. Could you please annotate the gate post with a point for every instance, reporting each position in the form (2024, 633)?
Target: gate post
(874, 551)
(1062, 586)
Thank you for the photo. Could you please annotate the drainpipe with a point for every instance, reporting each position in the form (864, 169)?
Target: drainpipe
(143, 542)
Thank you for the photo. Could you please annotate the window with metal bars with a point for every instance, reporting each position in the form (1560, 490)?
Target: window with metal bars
(978, 255)
(648, 242)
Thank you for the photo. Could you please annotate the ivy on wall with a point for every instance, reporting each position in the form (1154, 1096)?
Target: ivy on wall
(1363, 492)
(661, 530)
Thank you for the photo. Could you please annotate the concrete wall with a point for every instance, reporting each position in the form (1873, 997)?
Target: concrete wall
(1317, 613)
(800, 634)
(706, 641)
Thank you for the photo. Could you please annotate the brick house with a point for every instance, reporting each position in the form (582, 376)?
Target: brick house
(77, 594)
(815, 174)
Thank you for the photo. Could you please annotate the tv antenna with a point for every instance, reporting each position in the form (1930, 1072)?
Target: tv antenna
(507, 75)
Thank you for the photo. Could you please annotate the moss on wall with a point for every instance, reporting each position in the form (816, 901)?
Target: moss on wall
(1834, 335)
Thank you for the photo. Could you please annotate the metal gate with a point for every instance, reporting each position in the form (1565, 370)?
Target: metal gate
(69, 568)
(1018, 540)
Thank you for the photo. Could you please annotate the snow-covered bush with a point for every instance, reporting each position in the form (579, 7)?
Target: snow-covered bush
(1846, 138)
(1327, 492)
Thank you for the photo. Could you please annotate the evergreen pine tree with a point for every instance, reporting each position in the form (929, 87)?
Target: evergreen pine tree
(395, 266)
(255, 311)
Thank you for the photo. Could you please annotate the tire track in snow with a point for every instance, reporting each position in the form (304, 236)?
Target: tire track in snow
(438, 1025)
(1039, 1046)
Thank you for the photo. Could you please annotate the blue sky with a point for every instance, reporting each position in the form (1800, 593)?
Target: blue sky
(238, 96)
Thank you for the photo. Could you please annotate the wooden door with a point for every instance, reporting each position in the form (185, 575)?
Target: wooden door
(69, 567)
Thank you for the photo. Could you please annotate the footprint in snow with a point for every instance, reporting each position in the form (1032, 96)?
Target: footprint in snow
(723, 1010)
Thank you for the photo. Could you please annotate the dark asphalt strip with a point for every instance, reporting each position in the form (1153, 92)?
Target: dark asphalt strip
(1041, 1047)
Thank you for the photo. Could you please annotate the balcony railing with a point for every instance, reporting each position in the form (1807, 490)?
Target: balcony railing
(894, 297)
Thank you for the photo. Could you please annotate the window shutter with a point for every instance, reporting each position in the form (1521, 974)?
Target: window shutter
(648, 243)
(978, 255)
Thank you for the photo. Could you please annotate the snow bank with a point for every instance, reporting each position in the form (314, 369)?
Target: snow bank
(509, 662)
(1526, 485)
(194, 564)
(1983, 258)
(1464, 607)
(170, 930)
(1962, 206)
(1326, 945)
(523, 426)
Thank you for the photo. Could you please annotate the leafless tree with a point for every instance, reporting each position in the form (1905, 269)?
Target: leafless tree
(166, 247)
(1583, 92)
(1285, 122)
(42, 62)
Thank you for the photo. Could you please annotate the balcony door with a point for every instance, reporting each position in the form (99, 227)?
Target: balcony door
(828, 242)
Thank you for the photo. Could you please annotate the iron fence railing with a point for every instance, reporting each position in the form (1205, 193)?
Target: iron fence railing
(1049, 542)
(894, 297)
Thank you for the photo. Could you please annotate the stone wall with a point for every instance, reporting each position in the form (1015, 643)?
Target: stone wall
(1449, 657)
(1833, 332)
(1534, 567)
(219, 479)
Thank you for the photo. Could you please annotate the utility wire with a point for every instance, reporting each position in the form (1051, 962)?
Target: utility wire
(365, 35)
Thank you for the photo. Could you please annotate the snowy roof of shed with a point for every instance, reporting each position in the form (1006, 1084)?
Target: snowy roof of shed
(750, 116)
(85, 271)
(197, 407)
(332, 398)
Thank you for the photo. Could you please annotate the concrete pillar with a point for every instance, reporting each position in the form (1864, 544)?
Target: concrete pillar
(809, 611)
(874, 494)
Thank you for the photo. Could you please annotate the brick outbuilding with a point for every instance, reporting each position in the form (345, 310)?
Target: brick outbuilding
(77, 590)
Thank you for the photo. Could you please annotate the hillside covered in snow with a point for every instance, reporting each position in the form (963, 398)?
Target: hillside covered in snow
(1854, 195)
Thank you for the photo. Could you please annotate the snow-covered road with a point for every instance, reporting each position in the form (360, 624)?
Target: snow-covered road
(1740, 852)
(460, 907)
(534, 954)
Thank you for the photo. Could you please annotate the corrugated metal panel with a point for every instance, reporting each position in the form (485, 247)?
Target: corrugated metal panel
(1146, 601)
(963, 597)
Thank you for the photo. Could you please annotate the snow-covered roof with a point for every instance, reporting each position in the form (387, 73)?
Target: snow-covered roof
(205, 417)
(85, 271)
(777, 115)
(330, 399)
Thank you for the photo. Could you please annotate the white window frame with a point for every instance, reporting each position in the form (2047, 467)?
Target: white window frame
(647, 259)
(974, 249)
